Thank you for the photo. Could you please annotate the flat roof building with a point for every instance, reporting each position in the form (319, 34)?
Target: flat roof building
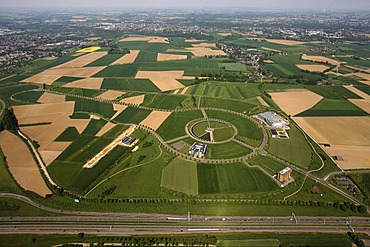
(273, 120)
(198, 150)
(284, 174)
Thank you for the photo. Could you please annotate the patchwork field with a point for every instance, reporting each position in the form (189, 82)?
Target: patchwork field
(164, 80)
(205, 51)
(23, 167)
(262, 101)
(51, 98)
(341, 133)
(363, 103)
(155, 119)
(295, 101)
(82, 61)
(127, 58)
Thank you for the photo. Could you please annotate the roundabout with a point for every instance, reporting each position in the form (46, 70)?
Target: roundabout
(212, 131)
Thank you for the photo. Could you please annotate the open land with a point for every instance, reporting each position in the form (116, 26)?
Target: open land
(363, 103)
(127, 58)
(51, 98)
(170, 57)
(88, 83)
(111, 95)
(136, 100)
(205, 51)
(164, 80)
(108, 126)
(295, 102)
(321, 59)
(23, 167)
(155, 119)
(312, 68)
(83, 60)
(284, 42)
(262, 101)
(341, 132)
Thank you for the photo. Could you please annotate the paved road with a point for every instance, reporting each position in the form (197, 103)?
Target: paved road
(145, 229)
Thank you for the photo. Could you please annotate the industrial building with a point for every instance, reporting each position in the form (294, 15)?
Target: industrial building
(198, 150)
(273, 120)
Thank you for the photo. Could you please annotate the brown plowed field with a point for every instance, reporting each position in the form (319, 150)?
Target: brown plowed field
(127, 58)
(155, 119)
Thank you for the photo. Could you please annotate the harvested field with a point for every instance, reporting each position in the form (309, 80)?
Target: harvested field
(349, 137)
(359, 74)
(204, 45)
(297, 101)
(91, 163)
(364, 104)
(90, 49)
(225, 34)
(42, 78)
(108, 126)
(268, 61)
(111, 95)
(88, 83)
(137, 100)
(50, 111)
(83, 60)
(284, 42)
(355, 157)
(164, 80)
(338, 130)
(193, 40)
(176, 91)
(23, 167)
(321, 59)
(51, 98)
(312, 67)
(159, 40)
(136, 38)
(170, 57)
(127, 58)
(155, 119)
(184, 90)
(118, 108)
(262, 101)
(358, 92)
(205, 51)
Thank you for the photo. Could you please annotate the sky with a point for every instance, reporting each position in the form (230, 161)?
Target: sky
(165, 4)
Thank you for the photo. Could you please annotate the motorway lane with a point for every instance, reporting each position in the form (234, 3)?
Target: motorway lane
(144, 229)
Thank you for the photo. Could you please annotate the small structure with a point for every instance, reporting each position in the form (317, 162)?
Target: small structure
(284, 175)
(273, 120)
(128, 140)
(198, 150)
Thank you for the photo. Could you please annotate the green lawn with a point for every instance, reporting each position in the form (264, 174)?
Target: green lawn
(295, 149)
(232, 178)
(129, 84)
(90, 106)
(69, 135)
(331, 107)
(31, 96)
(181, 175)
(233, 66)
(168, 130)
(332, 92)
(226, 150)
(132, 115)
(269, 165)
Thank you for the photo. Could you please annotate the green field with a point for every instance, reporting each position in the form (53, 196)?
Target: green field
(331, 107)
(232, 178)
(146, 56)
(94, 127)
(69, 135)
(226, 90)
(94, 107)
(10, 90)
(125, 70)
(168, 101)
(221, 131)
(332, 92)
(222, 151)
(294, 149)
(233, 105)
(132, 115)
(181, 175)
(30, 96)
(169, 131)
(233, 66)
(105, 61)
(129, 84)
(269, 165)
(245, 127)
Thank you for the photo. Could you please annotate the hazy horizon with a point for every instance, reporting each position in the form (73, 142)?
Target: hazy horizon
(363, 5)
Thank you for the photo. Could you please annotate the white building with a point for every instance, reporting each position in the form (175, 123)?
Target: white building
(273, 120)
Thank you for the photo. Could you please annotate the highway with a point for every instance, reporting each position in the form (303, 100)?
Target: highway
(109, 229)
